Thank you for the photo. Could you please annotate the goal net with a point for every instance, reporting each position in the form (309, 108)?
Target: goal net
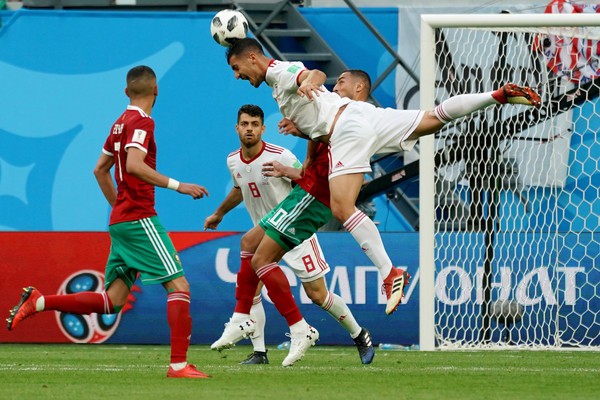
(513, 225)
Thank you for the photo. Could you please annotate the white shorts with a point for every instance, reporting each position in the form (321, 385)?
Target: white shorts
(307, 261)
(363, 130)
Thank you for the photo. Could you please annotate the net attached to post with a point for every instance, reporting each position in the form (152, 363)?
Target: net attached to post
(517, 189)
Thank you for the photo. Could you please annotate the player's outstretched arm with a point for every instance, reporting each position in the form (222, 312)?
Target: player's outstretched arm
(137, 167)
(231, 201)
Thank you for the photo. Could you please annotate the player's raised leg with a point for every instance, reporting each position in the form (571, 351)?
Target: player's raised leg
(462, 105)
(27, 307)
(344, 191)
(33, 301)
(465, 104)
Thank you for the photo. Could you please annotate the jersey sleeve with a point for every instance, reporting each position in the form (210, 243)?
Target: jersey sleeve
(108, 147)
(231, 167)
(140, 134)
(289, 159)
(285, 74)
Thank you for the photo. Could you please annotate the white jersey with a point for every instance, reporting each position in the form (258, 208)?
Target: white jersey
(312, 117)
(261, 193)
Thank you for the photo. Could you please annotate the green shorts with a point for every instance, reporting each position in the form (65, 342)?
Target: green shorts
(143, 247)
(295, 219)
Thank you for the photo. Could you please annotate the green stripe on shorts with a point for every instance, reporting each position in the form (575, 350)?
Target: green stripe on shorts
(141, 246)
(295, 219)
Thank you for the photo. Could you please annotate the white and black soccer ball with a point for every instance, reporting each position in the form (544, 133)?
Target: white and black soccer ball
(92, 328)
(227, 26)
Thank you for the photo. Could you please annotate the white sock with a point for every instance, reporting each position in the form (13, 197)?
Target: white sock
(239, 317)
(40, 304)
(299, 327)
(257, 314)
(339, 310)
(366, 234)
(178, 366)
(463, 105)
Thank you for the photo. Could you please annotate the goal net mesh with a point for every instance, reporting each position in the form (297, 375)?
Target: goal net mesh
(517, 191)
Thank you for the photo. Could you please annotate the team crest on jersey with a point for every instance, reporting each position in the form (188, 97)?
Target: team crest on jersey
(139, 135)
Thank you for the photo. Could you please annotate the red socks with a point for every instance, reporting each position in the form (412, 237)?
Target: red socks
(246, 284)
(277, 286)
(80, 303)
(180, 322)
(280, 292)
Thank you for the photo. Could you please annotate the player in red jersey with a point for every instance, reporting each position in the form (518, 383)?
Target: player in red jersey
(139, 243)
(296, 218)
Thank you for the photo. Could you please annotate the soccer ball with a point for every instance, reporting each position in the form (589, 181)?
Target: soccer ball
(227, 26)
(92, 328)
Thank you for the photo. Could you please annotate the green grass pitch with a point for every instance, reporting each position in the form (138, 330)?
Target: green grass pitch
(138, 372)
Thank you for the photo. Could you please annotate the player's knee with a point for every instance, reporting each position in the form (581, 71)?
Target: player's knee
(117, 302)
(250, 241)
(342, 213)
(258, 261)
(179, 284)
(245, 243)
(317, 296)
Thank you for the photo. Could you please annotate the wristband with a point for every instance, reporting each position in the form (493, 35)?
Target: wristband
(172, 184)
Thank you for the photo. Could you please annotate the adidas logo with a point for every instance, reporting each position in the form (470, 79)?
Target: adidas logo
(398, 284)
(238, 175)
(339, 164)
(292, 231)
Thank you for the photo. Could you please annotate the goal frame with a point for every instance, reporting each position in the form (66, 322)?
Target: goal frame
(430, 22)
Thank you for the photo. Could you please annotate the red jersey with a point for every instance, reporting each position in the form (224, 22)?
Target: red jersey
(315, 179)
(135, 198)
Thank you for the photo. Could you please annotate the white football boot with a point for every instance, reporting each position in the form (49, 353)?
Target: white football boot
(234, 332)
(299, 343)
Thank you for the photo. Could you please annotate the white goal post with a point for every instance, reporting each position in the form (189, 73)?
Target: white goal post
(510, 196)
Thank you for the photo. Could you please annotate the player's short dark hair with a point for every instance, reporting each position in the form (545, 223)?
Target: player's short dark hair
(253, 111)
(362, 75)
(140, 80)
(243, 45)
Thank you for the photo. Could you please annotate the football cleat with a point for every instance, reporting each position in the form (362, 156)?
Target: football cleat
(233, 333)
(521, 95)
(189, 371)
(258, 357)
(299, 343)
(25, 308)
(364, 345)
(393, 287)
